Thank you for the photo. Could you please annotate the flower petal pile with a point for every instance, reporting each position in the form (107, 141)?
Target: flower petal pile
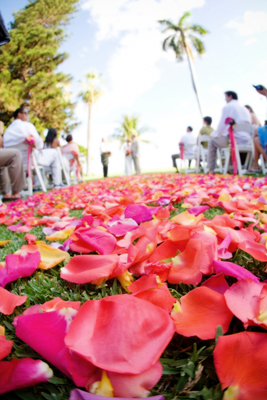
(120, 281)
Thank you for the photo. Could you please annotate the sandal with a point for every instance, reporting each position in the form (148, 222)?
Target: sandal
(254, 170)
(10, 198)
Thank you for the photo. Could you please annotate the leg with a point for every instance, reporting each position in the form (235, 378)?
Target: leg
(214, 144)
(12, 159)
(255, 164)
(50, 158)
(136, 165)
(105, 170)
(174, 157)
(5, 183)
(260, 149)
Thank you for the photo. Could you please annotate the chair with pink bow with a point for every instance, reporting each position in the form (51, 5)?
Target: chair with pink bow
(235, 149)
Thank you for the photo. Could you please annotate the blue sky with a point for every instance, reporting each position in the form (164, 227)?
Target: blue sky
(121, 39)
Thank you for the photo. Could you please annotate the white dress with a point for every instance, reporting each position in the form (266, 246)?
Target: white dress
(128, 159)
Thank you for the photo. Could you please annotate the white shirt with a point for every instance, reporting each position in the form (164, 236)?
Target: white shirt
(189, 142)
(18, 131)
(104, 148)
(240, 114)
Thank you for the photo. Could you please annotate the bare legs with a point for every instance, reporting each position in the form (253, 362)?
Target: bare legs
(258, 149)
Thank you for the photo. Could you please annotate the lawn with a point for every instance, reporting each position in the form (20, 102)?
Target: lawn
(184, 257)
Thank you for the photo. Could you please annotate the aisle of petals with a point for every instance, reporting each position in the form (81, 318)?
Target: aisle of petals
(153, 234)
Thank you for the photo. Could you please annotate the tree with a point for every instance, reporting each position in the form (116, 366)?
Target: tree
(28, 65)
(179, 43)
(92, 92)
(129, 127)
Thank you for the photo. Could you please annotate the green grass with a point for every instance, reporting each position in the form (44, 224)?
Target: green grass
(188, 370)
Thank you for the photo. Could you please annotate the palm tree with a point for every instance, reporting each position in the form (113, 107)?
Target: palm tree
(92, 92)
(179, 43)
(129, 127)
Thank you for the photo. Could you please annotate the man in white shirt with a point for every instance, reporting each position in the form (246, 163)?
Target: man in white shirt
(16, 134)
(219, 137)
(189, 141)
(135, 155)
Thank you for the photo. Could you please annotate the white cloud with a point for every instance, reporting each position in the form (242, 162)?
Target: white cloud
(118, 16)
(253, 23)
(250, 41)
(217, 89)
(133, 68)
(263, 64)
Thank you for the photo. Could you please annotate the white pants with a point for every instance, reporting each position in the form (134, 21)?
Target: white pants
(128, 165)
(50, 158)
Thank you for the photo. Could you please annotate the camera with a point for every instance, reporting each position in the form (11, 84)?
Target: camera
(258, 87)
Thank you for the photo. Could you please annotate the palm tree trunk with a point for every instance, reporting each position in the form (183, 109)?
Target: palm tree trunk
(88, 137)
(194, 79)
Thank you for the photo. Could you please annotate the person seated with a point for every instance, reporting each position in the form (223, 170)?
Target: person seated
(219, 137)
(16, 136)
(51, 140)
(11, 171)
(189, 142)
(206, 130)
(254, 118)
(260, 147)
(11, 174)
(72, 148)
(260, 140)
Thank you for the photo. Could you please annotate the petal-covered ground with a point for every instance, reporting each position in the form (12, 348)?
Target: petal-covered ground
(137, 286)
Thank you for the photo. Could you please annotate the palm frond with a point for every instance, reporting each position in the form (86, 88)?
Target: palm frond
(178, 48)
(165, 44)
(170, 25)
(198, 44)
(198, 29)
(186, 15)
(128, 127)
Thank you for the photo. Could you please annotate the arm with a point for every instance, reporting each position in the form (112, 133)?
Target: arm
(263, 92)
(55, 144)
(37, 138)
(221, 126)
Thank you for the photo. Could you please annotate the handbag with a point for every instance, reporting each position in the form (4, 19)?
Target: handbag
(4, 35)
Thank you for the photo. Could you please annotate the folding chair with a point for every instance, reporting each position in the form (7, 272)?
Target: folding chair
(240, 148)
(263, 165)
(202, 153)
(65, 173)
(73, 166)
(37, 168)
(191, 149)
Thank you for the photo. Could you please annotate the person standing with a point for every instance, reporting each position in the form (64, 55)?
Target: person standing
(105, 154)
(135, 155)
(219, 137)
(127, 148)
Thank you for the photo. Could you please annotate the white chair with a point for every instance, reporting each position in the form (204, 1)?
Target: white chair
(63, 167)
(263, 165)
(191, 150)
(202, 153)
(73, 166)
(37, 168)
(241, 148)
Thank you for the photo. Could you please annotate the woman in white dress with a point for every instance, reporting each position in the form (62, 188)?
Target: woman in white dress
(127, 148)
